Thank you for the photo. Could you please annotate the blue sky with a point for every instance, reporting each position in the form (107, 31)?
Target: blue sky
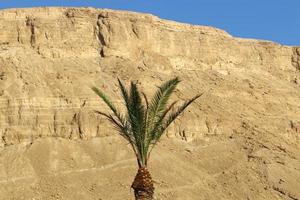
(275, 20)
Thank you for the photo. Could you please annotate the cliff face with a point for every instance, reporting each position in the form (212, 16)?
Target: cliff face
(242, 136)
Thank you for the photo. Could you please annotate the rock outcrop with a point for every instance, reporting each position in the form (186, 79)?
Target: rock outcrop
(241, 138)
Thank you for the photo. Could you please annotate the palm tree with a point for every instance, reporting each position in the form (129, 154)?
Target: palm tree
(143, 125)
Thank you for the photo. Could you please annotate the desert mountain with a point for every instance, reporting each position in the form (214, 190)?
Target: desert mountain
(239, 141)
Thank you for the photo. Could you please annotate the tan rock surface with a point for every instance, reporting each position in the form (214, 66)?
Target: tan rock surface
(239, 141)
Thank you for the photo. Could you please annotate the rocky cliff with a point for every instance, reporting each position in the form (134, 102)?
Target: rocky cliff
(239, 141)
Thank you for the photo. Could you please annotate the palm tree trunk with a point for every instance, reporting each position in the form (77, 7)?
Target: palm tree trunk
(143, 185)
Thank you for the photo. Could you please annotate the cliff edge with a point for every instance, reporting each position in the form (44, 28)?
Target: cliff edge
(239, 141)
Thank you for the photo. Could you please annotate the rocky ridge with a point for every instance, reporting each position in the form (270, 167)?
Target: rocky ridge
(241, 139)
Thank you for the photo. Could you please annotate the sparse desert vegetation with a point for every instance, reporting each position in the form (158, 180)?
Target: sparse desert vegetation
(239, 141)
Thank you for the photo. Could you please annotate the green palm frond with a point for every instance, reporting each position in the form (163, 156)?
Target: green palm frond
(163, 124)
(152, 135)
(145, 122)
(105, 99)
(109, 103)
(161, 97)
(158, 105)
(123, 129)
(136, 115)
(179, 110)
(125, 94)
(136, 108)
(121, 124)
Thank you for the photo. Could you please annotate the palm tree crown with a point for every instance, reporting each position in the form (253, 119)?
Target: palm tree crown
(145, 121)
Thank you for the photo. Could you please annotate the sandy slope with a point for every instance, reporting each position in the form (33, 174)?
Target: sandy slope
(239, 141)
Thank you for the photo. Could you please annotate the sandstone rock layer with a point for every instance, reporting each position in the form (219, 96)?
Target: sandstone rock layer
(239, 141)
